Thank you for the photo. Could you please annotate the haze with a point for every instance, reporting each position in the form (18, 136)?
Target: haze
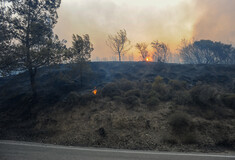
(145, 21)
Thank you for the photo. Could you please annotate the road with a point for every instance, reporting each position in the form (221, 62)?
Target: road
(12, 150)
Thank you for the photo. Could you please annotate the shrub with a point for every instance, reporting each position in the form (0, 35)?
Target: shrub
(157, 82)
(152, 101)
(205, 95)
(111, 90)
(125, 85)
(182, 128)
(134, 92)
(72, 98)
(229, 100)
(162, 89)
(180, 123)
(132, 101)
(182, 97)
(178, 85)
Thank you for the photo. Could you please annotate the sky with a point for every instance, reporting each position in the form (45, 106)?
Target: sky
(168, 21)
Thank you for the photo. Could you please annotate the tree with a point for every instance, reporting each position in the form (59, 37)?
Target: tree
(162, 51)
(142, 47)
(80, 53)
(206, 52)
(31, 23)
(119, 43)
(6, 48)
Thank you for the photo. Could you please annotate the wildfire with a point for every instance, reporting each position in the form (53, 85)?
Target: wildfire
(94, 91)
(148, 59)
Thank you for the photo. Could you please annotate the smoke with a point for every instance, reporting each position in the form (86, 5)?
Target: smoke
(145, 21)
(217, 22)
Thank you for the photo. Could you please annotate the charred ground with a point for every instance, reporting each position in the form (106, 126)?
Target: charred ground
(138, 105)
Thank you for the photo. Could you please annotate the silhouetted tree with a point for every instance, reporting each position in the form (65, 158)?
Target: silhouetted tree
(119, 43)
(31, 23)
(206, 52)
(80, 53)
(142, 47)
(162, 51)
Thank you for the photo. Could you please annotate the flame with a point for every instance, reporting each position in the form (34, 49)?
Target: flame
(148, 59)
(94, 91)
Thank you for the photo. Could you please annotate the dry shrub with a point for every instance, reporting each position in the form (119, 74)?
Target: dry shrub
(125, 85)
(178, 85)
(111, 90)
(72, 98)
(132, 101)
(180, 122)
(134, 92)
(182, 128)
(153, 101)
(229, 100)
(205, 95)
(182, 97)
(162, 89)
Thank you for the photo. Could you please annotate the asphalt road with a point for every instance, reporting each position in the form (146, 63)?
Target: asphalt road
(11, 150)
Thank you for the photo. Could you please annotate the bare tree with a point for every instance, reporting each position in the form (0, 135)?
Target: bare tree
(119, 43)
(162, 51)
(142, 47)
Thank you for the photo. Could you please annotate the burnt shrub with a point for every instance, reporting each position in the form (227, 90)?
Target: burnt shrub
(111, 90)
(205, 95)
(229, 100)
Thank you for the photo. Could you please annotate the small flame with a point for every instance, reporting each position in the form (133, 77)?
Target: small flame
(94, 91)
(148, 59)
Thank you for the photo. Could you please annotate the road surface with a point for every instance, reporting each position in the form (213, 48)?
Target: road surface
(12, 150)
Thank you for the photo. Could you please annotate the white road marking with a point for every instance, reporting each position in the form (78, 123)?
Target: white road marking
(30, 144)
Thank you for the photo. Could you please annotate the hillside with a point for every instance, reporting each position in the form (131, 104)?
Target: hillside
(138, 105)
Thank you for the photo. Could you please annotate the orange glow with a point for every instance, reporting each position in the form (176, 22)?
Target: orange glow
(94, 91)
(148, 59)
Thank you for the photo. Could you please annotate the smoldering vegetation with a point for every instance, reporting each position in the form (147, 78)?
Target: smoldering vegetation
(138, 105)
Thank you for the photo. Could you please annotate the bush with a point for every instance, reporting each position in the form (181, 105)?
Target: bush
(180, 123)
(205, 95)
(162, 89)
(157, 82)
(72, 98)
(111, 90)
(182, 97)
(132, 101)
(182, 128)
(125, 85)
(229, 100)
(178, 85)
(152, 101)
(134, 92)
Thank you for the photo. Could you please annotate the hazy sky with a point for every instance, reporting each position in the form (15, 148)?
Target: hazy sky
(146, 20)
